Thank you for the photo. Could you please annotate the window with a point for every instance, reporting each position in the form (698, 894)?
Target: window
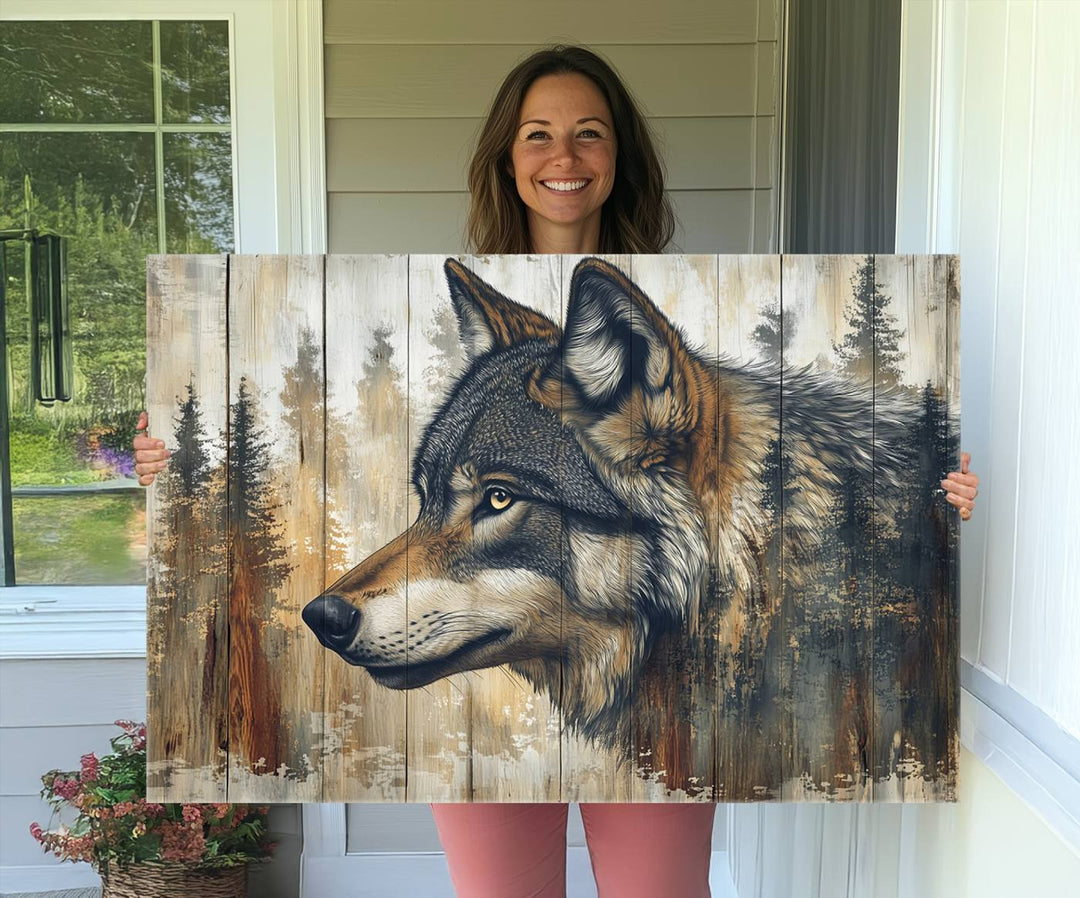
(117, 135)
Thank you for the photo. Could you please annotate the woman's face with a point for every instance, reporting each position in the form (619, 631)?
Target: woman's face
(563, 154)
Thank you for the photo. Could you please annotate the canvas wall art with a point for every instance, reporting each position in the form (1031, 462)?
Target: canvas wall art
(553, 528)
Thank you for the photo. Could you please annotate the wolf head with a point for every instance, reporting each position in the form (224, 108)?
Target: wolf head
(562, 487)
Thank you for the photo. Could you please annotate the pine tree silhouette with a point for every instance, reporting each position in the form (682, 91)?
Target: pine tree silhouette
(182, 556)
(258, 569)
(190, 462)
(779, 487)
(773, 335)
(870, 349)
(188, 579)
(251, 506)
(303, 399)
(927, 538)
(381, 398)
(831, 671)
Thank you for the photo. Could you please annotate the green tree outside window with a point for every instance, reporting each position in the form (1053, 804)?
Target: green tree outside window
(117, 135)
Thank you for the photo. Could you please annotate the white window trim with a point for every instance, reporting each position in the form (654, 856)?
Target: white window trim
(279, 204)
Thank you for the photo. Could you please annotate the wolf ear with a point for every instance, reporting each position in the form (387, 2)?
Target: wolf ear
(487, 319)
(626, 375)
(615, 337)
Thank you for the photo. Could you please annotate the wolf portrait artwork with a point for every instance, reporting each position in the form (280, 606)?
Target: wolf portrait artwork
(554, 528)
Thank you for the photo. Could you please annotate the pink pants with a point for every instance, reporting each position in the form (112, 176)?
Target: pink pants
(519, 850)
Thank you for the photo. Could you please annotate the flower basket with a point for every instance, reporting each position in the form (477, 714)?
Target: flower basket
(143, 849)
(173, 881)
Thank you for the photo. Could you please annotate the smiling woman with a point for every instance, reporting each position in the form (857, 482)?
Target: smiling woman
(563, 162)
(563, 116)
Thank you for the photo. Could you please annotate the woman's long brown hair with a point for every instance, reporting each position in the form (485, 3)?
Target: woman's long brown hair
(636, 218)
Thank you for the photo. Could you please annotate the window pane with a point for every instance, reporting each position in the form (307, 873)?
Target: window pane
(76, 72)
(98, 190)
(195, 71)
(80, 539)
(198, 193)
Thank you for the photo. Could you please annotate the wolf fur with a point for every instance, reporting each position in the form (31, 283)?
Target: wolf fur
(590, 496)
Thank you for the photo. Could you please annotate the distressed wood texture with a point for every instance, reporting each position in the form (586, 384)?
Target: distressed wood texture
(916, 677)
(514, 728)
(438, 757)
(367, 491)
(276, 481)
(187, 662)
(591, 771)
(827, 567)
(674, 522)
(746, 611)
(678, 763)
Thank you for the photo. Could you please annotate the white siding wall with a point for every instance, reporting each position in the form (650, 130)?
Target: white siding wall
(53, 711)
(408, 83)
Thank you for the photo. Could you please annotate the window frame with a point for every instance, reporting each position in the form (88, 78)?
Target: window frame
(276, 61)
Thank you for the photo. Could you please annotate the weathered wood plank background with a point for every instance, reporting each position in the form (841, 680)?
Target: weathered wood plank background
(187, 654)
(294, 391)
(367, 441)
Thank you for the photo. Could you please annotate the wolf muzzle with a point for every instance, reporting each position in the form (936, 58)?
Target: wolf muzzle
(333, 620)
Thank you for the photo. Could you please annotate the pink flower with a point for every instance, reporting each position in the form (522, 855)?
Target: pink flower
(192, 813)
(65, 788)
(89, 768)
(79, 848)
(36, 831)
(181, 842)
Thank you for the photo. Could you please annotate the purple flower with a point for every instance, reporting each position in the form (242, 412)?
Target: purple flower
(119, 462)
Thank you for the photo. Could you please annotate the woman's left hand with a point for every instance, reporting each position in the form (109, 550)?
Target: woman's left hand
(961, 487)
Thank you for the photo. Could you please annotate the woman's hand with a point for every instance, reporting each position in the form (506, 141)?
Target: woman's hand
(150, 454)
(961, 488)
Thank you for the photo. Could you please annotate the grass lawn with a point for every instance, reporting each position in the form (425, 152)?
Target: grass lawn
(81, 539)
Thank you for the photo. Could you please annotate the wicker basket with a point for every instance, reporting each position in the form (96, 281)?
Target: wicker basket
(174, 881)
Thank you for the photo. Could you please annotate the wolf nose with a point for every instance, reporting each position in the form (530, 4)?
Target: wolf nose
(332, 619)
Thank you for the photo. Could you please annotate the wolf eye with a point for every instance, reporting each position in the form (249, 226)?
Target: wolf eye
(498, 498)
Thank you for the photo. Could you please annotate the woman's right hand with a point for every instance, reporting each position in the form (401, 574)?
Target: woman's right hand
(150, 453)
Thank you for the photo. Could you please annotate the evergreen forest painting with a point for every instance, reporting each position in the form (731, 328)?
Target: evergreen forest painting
(611, 528)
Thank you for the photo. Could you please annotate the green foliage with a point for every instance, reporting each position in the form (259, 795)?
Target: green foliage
(95, 539)
(40, 458)
(117, 825)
